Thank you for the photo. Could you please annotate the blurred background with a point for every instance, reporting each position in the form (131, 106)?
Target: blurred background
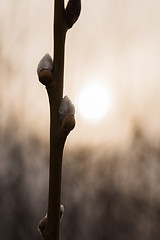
(111, 167)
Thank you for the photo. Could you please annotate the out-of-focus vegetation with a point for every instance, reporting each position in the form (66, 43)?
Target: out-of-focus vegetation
(107, 194)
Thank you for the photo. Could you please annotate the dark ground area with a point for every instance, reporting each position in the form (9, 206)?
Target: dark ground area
(108, 195)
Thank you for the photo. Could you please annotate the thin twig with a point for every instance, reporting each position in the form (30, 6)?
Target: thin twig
(52, 78)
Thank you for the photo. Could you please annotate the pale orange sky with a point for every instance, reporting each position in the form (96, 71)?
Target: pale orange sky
(115, 42)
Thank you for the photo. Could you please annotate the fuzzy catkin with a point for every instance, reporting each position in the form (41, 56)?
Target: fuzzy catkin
(66, 107)
(45, 63)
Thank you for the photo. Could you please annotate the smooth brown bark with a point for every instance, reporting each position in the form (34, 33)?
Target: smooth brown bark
(58, 135)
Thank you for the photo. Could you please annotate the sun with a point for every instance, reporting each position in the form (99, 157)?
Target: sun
(94, 102)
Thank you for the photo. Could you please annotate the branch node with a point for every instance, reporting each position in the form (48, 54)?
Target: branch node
(43, 223)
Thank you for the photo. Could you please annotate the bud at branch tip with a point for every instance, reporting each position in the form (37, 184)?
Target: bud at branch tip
(72, 12)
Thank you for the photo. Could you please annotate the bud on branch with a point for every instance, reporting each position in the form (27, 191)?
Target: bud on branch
(72, 12)
(66, 107)
(43, 223)
(45, 69)
(66, 114)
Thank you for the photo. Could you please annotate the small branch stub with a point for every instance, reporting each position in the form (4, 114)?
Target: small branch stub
(43, 223)
(72, 12)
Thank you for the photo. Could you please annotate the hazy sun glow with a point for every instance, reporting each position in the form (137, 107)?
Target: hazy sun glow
(94, 102)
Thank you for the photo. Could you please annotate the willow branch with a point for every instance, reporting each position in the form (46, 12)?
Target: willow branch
(61, 110)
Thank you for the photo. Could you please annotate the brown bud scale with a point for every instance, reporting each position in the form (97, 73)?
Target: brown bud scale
(68, 123)
(72, 12)
(46, 77)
